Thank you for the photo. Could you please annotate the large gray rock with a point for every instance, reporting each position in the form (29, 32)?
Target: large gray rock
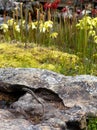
(59, 102)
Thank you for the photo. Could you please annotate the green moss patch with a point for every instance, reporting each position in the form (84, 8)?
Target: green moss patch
(37, 57)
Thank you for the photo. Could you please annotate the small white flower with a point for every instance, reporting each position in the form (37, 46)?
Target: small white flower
(42, 28)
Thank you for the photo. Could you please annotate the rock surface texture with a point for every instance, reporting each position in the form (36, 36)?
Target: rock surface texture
(35, 99)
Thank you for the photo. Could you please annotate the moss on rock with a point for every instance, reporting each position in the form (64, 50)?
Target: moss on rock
(37, 57)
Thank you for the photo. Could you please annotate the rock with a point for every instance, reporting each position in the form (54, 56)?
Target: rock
(46, 100)
(8, 121)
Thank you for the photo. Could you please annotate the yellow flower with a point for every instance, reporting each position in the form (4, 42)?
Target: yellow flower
(48, 24)
(95, 39)
(36, 23)
(88, 20)
(4, 27)
(78, 25)
(92, 33)
(41, 27)
(32, 26)
(85, 23)
(93, 22)
(90, 27)
(17, 28)
(10, 22)
(54, 35)
(22, 23)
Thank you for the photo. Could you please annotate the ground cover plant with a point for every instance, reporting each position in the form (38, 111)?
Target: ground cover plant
(92, 124)
(64, 47)
(38, 57)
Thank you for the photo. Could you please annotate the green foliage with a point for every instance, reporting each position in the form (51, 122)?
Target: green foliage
(89, 24)
(87, 35)
(92, 124)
